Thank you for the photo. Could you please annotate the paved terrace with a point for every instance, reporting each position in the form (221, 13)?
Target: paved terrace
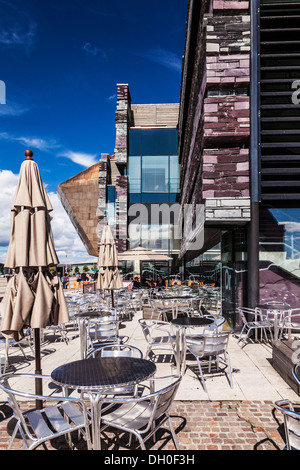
(242, 418)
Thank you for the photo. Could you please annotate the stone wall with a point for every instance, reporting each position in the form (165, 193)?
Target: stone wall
(215, 116)
(122, 122)
(103, 181)
(121, 213)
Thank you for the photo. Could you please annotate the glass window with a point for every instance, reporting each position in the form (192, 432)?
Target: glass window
(173, 133)
(174, 174)
(111, 194)
(155, 197)
(111, 206)
(134, 198)
(155, 141)
(174, 197)
(134, 174)
(155, 174)
(280, 254)
(135, 140)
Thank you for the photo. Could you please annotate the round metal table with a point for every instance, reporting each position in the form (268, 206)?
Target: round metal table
(181, 324)
(277, 310)
(94, 376)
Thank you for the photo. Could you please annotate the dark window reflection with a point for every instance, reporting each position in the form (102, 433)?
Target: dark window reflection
(155, 142)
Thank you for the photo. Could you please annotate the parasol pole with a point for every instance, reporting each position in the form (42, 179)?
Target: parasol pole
(37, 345)
(112, 299)
(38, 369)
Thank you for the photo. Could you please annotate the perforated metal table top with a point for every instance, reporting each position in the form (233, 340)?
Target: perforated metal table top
(192, 321)
(103, 373)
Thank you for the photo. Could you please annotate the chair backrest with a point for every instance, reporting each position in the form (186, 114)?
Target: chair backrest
(215, 344)
(296, 373)
(247, 314)
(116, 350)
(89, 287)
(12, 401)
(73, 307)
(217, 326)
(106, 327)
(164, 399)
(291, 424)
(149, 327)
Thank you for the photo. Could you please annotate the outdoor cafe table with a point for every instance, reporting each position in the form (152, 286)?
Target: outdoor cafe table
(277, 310)
(83, 318)
(175, 300)
(181, 325)
(94, 376)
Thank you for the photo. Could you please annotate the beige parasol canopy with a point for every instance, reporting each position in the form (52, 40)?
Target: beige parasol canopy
(33, 297)
(109, 276)
(142, 254)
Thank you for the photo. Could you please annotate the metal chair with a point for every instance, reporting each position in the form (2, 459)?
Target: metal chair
(36, 426)
(217, 326)
(160, 308)
(291, 423)
(144, 415)
(291, 322)
(210, 349)
(104, 330)
(117, 350)
(158, 335)
(262, 324)
(26, 341)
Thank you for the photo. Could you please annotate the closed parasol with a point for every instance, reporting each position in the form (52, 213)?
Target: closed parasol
(34, 297)
(109, 277)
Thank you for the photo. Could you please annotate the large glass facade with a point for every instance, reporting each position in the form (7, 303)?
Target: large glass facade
(280, 254)
(153, 175)
(153, 167)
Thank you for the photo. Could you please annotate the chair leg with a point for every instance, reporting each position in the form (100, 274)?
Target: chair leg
(241, 333)
(202, 376)
(175, 440)
(244, 339)
(227, 359)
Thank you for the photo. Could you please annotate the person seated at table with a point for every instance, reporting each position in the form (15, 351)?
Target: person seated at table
(145, 283)
(136, 283)
(160, 283)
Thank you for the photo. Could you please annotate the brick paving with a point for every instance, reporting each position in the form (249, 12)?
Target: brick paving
(200, 425)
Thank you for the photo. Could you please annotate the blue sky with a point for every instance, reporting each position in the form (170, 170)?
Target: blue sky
(60, 62)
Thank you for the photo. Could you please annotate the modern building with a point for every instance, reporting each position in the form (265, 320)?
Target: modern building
(227, 155)
(239, 147)
(134, 188)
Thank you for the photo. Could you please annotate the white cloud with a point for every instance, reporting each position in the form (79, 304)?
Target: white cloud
(35, 142)
(165, 58)
(17, 29)
(12, 109)
(8, 184)
(111, 97)
(83, 159)
(94, 51)
(68, 245)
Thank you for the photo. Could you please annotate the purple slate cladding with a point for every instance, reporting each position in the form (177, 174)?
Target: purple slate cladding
(122, 122)
(218, 121)
(121, 216)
